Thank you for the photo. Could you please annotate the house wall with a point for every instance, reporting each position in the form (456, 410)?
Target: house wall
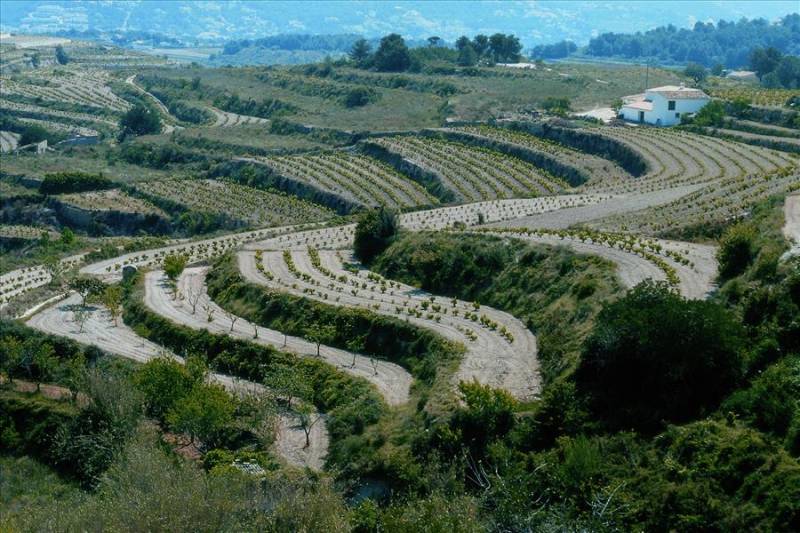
(670, 118)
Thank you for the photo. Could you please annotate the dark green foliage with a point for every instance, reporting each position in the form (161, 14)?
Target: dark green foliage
(695, 71)
(159, 155)
(488, 415)
(32, 134)
(736, 250)
(504, 48)
(467, 56)
(416, 349)
(554, 51)
(713, 114)
(374, 233)
(61, 55)
(654, 356)
(726, 42)
(557, 106)
(360, 52)
(266, 108)
(69, 182)
(140, 120)
(392, 54)
(359, 97)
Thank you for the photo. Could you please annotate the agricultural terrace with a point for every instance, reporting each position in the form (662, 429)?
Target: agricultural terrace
(8, 141)
(110, 200)
(595, 168)
(678, 158)
(27, 233)
(86, 88)
(252, 206)
(712, 206)
(357, 178)
(755, 95)
(225, 119)
(501, 351)
(35, 111)
(473, 173)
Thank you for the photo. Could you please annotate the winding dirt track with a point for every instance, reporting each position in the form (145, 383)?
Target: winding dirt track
(121, 340)
(490, 358)
(391, 380)
(791, 227)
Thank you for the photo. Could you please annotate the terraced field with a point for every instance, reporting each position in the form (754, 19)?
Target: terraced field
(86, 88)
(21, 232)
(677, 158)
(500, 349)
(252, 206)
(757, 95)
(111, 200)
(596, 169)
(357, 178)
(8, 141)
(34, 111)
(99, 330)
(791, 228)
(225, 119)
(471, 173)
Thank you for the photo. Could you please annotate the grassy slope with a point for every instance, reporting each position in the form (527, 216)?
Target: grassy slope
(555, 292)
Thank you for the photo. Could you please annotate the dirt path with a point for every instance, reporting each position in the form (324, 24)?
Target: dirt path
(391, 380)
(121, 340)
(491, 357)
(791, 227)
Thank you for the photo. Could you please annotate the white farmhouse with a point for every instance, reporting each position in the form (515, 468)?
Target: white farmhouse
(663, 106)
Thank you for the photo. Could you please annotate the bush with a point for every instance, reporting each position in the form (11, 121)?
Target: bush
(653, 356)
(33, 134)
(69, 182)
(736, 250)
(358, 97)
(374, 233)
(140, 120)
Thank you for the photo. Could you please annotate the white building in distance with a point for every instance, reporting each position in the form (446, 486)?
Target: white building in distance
(663, 106)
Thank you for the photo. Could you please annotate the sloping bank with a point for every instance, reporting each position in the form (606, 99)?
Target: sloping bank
(425, 354)
(350, 404)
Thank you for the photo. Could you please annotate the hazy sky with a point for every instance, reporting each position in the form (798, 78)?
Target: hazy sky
(534, 21)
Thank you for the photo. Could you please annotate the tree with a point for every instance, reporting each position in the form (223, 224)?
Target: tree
(35, 61)
(140, 120)
(67, 236)
(174, 265)
(504, 48)
(87, 286)
(392, 54)
(80, 315)
(32, 134)
(736, 250)
(463, 41)
(481, 44)
(112, 299)
(557, 106)
(320, 333)
(655, 357)
(487, 414)
(358, 97)
(764, 60)
(73, 374)
(46, 364)
(10, 356)
(55, 268)
(717, 69)
(695, 71)
(467, 56)
(360, 52)
(61, 55)
(712, 114)
(307, 417)
(788, 72)
(434, 41)
(163, 381)
(375, 231)
(202, 413)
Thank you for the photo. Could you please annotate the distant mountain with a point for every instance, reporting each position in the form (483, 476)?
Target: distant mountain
(214, 21)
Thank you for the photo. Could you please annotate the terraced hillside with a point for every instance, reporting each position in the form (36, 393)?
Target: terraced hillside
(251, 206)
(356, 178)
(472, 173)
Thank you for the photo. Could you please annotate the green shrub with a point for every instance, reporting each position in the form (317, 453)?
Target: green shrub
(736, 250)
(654, 356)
(374, 233)
(70, 182)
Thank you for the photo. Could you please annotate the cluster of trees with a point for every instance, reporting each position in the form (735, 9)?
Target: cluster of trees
(332, 43)
(266, 108)
(393, 55)
(69, 182)
(554, 51)
(497, 48)
(774, 69)
(726, 43)
(139, 120)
